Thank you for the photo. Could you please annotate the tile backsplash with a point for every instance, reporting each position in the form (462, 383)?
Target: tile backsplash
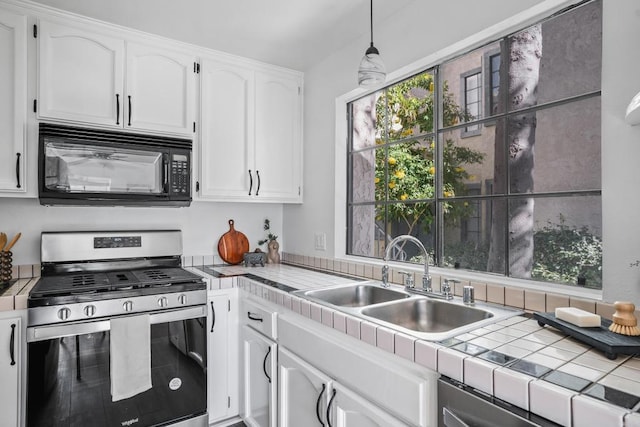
(525, 299)
(528, 300)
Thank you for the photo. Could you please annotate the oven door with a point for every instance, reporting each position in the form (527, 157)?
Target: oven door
(69, 380)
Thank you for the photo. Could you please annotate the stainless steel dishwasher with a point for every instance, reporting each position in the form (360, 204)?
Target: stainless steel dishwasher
(462, 406)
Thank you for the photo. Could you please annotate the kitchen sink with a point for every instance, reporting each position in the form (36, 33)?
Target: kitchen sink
(423, 317)
(427, 315)
(355, 295)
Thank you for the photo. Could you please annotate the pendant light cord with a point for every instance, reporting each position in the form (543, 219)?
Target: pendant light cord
(371, 22)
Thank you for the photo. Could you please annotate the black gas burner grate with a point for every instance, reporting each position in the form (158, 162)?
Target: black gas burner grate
(104, 283)
(83, 280)
(155, 275)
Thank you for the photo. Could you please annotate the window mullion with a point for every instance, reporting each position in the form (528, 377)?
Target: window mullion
(438, 121)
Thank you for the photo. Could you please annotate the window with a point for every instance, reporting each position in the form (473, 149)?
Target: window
(522, 197)
(472, 99)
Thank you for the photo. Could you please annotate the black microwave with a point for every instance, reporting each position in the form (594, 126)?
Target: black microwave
(80, 166)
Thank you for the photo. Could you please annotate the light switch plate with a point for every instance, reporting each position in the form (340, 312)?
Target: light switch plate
(320, 241)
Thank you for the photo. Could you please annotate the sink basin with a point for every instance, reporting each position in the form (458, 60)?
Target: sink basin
(355, 295)
(427, 315)
(421, 316)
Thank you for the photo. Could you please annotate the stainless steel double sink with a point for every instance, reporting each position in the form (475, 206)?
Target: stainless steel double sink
(420, 316)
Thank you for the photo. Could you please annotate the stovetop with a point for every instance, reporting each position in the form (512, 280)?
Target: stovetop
(81, 286)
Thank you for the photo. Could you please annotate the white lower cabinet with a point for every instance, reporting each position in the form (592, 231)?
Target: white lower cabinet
(363, 385)
(348, 409)
(12, 366)
(222, 366)
(308, 397)
(260, 379)
(302, 393)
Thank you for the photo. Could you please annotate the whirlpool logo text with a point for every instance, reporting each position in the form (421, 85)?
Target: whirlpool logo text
(129, 422)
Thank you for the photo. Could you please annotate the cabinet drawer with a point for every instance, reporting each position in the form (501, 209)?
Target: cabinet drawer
(260, 318)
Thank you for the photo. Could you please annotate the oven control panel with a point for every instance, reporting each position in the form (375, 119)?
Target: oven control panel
(63, 313)
(117, 242)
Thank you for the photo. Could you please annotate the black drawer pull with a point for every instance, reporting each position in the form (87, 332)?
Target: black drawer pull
(255, 317)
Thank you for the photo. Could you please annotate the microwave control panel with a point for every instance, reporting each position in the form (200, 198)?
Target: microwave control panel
(180, 174)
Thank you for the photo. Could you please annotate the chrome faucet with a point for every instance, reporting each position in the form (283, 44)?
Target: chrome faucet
(426, 278)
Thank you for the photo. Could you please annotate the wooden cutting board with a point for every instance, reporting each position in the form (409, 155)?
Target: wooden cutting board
(233, 245)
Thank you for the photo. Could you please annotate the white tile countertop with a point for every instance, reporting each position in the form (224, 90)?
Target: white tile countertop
(538, 369)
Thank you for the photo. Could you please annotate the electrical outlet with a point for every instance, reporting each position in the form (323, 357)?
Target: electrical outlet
(320, 241)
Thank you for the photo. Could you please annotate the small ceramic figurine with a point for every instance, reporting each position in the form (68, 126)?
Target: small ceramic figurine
(273, 256)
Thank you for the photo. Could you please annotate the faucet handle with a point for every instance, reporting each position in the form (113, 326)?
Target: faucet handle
(385, 276)
(446, 287)
(447, 290)
(426, 283)
(408, 279)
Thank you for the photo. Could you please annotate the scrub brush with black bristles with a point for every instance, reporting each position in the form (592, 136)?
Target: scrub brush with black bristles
(624, 321)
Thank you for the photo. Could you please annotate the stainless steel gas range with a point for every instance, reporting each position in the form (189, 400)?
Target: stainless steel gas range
(116, 332)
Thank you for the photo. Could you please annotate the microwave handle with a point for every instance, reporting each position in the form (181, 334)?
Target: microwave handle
(165, 183)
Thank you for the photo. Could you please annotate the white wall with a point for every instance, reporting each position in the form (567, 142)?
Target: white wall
(202, 224)
(401, 41)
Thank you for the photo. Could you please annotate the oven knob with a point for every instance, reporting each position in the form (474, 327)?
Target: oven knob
(182, 299)
(163, 302)
(128, 306)
(90, 310)
(64, 313)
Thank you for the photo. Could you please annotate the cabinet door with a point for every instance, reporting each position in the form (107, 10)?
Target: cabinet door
(347, 409)
(13, 90)
(80, 75)
(160, 88)
(260, 379)
(225, 131)
(278, 130)
(10, 358)
(303, 391)
(219, 376)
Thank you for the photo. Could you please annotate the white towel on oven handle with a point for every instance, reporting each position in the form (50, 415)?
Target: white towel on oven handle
(130, 357)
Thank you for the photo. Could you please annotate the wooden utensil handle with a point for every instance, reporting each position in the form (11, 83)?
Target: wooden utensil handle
(12, 242)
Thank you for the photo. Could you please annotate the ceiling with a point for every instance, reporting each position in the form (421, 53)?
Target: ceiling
(291, 33)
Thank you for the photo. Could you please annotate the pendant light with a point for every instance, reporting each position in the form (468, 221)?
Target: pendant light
(371, 71)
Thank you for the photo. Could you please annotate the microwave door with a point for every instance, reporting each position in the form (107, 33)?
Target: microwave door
(81, 168)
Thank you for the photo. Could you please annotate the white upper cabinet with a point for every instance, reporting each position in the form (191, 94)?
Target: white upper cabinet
(251, 133)
(278, 131)
(13, 90)
(160, 89)
(225, 132)
(90, 77)
(80, 75)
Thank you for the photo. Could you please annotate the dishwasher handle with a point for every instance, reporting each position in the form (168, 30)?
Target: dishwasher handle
(451, 420)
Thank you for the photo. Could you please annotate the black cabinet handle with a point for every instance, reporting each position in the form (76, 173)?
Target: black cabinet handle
(12, 342)
(117, 108)
(213, 316)
(250, 181)
(252, 316)
(324, 386)
(129, 110)
(18, 185)
(258, 175)
(264, 365)
(333, 396)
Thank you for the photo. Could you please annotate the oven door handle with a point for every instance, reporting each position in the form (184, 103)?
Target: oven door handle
(41, 333)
